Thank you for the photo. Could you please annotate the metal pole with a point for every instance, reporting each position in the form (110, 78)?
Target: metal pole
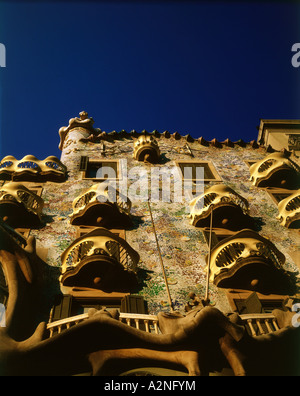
(161, 260)
(209, 253)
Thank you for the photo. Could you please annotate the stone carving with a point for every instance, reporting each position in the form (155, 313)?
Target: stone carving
(20, 207)
(249, 261)
(194, 302)
(204, 340)
(289, 211)
(82, 122)
(230, 210)
(276, 170)
(146, 149)
(294, 141)
(102, 206)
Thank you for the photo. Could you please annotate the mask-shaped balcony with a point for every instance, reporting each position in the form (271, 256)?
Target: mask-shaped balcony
(102, 206)
(249, 261)
(100, 260)
(276, 170)
(289, 211)
(20, 207)
(230, 210)
(29, 168)
(146, 149)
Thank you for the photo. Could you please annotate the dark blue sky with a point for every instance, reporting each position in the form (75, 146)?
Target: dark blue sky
(210, 69)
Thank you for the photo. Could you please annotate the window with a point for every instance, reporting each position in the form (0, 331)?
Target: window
(80, 301)
(192, 170)
(249, 163)
(84, 230)
(245, 302)
(217, 235)
(91, 167)
(278, 194)
(117, 251)
(256, 310)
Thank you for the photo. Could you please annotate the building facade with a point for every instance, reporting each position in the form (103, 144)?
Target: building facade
(149, 228)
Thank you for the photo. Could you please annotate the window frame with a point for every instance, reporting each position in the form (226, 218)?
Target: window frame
(240, 295)
(102, 161)
(250, 162)
(217, 233)
(211, 166)
(272, 191)
(83, 230)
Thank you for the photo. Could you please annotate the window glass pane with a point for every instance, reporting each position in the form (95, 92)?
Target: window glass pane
(189, 170)
(93, 168)
(280, 197)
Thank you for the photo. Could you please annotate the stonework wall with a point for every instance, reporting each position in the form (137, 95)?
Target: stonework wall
(182, 246)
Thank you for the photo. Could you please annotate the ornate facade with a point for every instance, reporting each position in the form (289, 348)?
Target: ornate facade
(148, 253)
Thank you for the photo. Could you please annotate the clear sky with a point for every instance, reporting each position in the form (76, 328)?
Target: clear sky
(210, 69)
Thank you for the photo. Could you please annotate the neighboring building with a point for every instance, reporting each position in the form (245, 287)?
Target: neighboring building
(280, 134)
(145, 257)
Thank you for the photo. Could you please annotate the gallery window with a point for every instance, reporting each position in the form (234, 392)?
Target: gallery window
(99, 170)
(278, 194)
(79, 302)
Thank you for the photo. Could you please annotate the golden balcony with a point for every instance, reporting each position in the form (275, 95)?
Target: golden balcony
(102, 206)
(146, 149)
(20, 207)
(230, 210)
(100, 260)
(276, 170)
(29, 168)
(289, 211)
(248, 261)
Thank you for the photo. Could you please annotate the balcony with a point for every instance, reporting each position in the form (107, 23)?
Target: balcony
(249, 261)
(20, 207)
(102, 206)
(276, 170)
(256, 324)
(146, 149)
(100, 260)
(148, 323)
(260, 323)
(29, 168)
(230, 210)
(289, 211)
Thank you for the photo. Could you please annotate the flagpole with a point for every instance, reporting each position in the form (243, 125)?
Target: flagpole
(209, 255)
(160, 258)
